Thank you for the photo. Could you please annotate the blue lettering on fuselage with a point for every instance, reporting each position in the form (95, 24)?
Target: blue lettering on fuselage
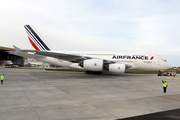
(133, 57)
(136, 57)
(146, 57)
(128, 57)
(114, 57)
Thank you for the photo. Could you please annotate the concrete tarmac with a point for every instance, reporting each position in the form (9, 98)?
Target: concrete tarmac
(48, 95)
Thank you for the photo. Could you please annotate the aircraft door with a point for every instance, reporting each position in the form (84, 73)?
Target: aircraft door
(159, 63)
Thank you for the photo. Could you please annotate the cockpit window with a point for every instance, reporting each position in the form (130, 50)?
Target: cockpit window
(165, 61)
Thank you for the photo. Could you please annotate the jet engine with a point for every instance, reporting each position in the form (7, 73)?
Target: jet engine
(97, 65)
(93, 64)
(117, 68)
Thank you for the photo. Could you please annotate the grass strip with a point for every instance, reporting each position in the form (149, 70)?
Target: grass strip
(68, 70)
(127, 71)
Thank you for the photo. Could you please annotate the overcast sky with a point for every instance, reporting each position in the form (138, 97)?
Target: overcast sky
(148, 26)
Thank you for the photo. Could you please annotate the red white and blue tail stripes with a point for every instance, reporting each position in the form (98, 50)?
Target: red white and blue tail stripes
(35, 39)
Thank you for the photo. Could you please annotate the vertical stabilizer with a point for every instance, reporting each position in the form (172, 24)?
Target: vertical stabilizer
(35, 39)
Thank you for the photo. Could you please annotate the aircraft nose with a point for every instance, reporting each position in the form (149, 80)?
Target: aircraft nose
(168, 65)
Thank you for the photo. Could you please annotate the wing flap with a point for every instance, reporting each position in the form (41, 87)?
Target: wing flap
(63, 56)
(25, 54)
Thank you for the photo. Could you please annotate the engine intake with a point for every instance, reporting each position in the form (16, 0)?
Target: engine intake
(93, 64)
(117, 68)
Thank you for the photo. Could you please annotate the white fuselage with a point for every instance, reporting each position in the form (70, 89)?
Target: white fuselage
(136, 61)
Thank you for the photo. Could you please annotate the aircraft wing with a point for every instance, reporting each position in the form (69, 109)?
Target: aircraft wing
(64, 56)
(68, 57)
(25, 54)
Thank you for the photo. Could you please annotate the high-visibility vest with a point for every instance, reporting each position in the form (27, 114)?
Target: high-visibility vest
(165, 85)
(2, 77)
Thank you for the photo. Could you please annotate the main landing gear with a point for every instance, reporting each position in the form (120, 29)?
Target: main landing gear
(93, 72)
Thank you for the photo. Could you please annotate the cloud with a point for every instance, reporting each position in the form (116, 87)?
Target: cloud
(103, 25)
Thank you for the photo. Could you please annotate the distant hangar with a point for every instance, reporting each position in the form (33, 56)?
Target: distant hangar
(17, 60)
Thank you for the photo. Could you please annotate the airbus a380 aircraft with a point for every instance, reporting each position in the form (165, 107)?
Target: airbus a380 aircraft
(93, 62)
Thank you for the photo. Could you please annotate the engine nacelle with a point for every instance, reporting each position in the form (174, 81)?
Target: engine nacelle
(93, 64)
(117, 68)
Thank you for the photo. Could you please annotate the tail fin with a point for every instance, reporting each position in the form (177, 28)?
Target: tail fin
(36, 41)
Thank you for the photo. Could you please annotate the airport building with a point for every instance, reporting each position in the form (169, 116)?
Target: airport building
(20, 61)
(17, 60)
(34, 63)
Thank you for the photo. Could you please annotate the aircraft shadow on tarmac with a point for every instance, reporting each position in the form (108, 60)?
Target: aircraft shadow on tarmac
(166, 115)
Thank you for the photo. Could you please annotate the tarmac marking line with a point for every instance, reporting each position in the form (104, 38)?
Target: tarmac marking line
(88, 104)
(29, 100)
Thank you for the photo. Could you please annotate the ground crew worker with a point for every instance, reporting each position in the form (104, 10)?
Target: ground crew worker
(164, 86)
(174, 74)
(2, 78)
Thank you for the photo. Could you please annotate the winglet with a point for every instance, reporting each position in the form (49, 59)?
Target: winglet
(17, 50)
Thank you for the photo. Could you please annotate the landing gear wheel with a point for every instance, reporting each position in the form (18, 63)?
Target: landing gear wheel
(93, 72)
